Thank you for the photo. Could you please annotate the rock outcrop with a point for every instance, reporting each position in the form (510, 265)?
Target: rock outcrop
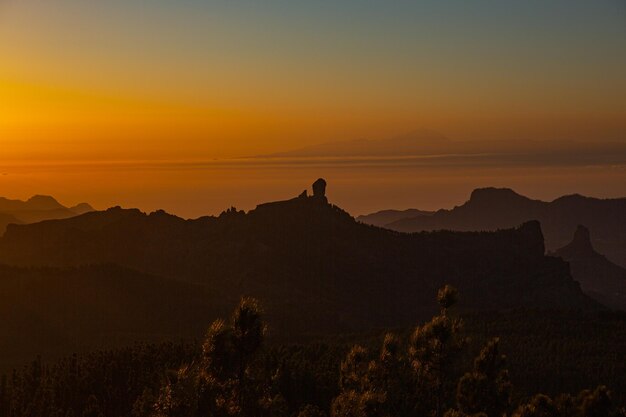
(599, 277)
(319, 188)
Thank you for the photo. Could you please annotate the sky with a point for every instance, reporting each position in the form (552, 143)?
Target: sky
(94, 93)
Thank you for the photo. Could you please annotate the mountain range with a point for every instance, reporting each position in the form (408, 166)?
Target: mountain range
(313, 266)
(36, 209)
(498, 208)
(385, 217)
(598, 277)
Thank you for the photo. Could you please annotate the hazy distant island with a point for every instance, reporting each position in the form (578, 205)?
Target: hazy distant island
(427, 147)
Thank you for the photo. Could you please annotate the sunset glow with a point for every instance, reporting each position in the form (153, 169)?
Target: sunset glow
(191, 80)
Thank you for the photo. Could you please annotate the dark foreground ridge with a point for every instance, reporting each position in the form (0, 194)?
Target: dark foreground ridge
(312, 265)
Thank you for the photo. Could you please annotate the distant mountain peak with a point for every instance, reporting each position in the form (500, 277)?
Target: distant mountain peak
(82, 208)
(36, 209)
(384, 217)
(38, 198)
(599, 277)
(582, 236)
(318, 198)
(580, 246)
(493, 194)
(44, 202)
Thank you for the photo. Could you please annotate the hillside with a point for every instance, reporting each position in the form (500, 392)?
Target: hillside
(35, 209)
(598, 277)
(385, 217)
(57, 311)
(493, 208)
(314, 267)
(6, 219)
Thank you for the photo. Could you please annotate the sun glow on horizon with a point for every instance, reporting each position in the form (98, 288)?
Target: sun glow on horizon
(147, 82)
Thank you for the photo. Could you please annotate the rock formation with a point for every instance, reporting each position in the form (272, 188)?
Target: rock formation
(319, 188)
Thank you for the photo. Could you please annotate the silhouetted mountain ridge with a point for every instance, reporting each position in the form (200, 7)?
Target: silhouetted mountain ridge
(492, 195)
(499, 208)
(115, 275)
(311, 262)
(580, 246)
(384, 217)
(599, 277)
(36, 209)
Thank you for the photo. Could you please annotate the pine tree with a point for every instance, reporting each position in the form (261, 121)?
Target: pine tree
(360, 397)
(431, 349)
(598, 403)
(311, 411)
(402, 382)
(228, 379)
(539, 406)
(487, 389)
(92, 408)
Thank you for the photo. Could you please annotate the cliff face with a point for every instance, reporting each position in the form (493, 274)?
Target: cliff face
(312, 264)
(498, 208)
(598, 277)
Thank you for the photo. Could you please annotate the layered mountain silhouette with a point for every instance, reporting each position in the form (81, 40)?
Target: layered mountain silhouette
(385, 217)
(300, 246)
(598, 277)
(116, 274)
(36, 209)
(499, 208)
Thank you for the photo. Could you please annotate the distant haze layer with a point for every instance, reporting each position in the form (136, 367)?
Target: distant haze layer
(193, 189)
(129, 102)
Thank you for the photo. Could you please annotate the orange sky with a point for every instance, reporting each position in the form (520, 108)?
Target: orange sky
(190, 80)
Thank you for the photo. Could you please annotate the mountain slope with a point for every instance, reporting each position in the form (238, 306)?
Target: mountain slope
(37, 202)
(35, 209)
(493, 208)
(599, 277)
(384, 217)
(314, 267)
(82, 208)
(6, 219)
(54, 311)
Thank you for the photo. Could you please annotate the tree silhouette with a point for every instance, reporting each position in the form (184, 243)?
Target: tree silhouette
(539, 406)
(403, 380)
(311, 411)
(487, 389)
(431, 348)
(229, 379)
(588, 403)
(233, 372)
(360, 396)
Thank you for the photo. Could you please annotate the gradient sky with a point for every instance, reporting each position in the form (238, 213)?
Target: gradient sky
(191, 79)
